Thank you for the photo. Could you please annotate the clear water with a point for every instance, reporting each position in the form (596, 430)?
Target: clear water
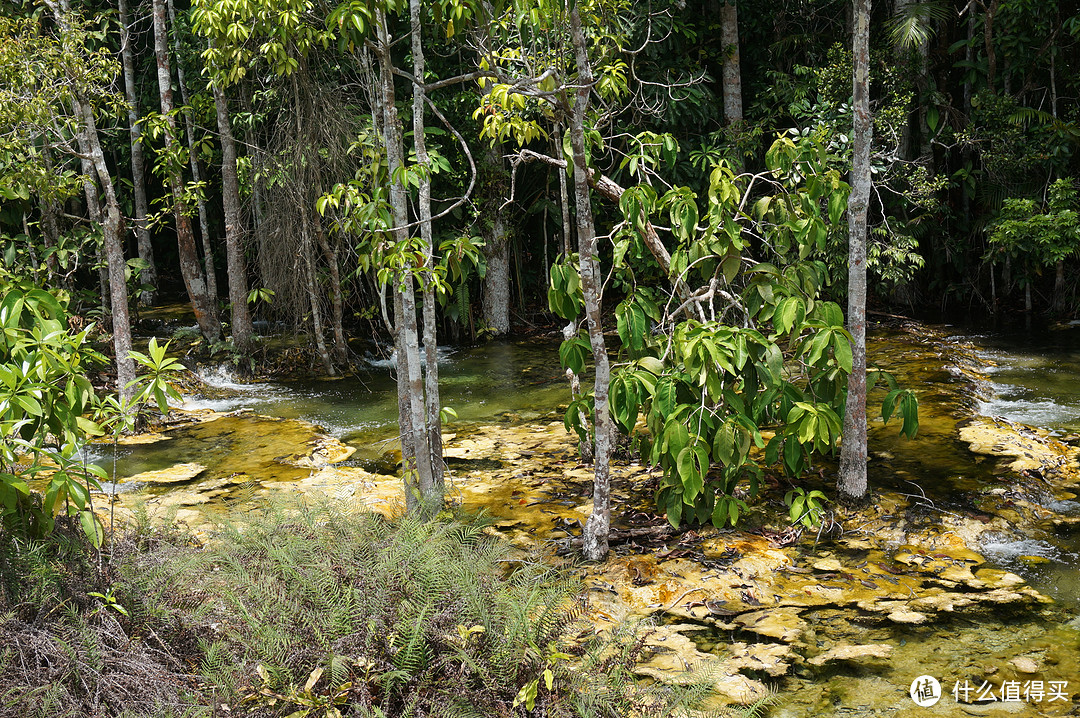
(522, 381)
(499, 381)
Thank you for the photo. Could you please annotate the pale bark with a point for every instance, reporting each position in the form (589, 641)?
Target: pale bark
(147, 276)
(432, 401)
(564, 200)
(242, 331)
(112, 222)
(419, 482)
(595, 538)
(496, 300)
(193, 160)
(851, 481)
(113, 226)
(93, 207)
(732, 73)
(202, 303)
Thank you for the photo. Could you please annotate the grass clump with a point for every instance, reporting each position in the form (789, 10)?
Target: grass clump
(322, 612)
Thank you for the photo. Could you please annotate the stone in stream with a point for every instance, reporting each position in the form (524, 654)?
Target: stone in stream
(853, 653)
(784, 624)
(1024, 664)
(173, 475)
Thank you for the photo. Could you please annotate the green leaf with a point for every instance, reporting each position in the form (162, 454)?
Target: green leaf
(651, 365)
(665, 397)
(91, 526)
(888, 404)
(842, 351)
(724, 444)
(674, 509)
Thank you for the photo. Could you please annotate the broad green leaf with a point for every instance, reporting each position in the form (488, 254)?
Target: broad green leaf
(91, 526)
(666, 396)
(842, 352)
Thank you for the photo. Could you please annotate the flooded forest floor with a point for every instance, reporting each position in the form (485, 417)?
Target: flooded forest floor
(836, 621)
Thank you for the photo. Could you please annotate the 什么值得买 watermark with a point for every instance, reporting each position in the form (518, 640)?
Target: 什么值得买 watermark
(926, 691)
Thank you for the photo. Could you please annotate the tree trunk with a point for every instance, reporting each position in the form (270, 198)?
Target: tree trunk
(419, 482)
(147, 276)
(432, 401)
(307, 249)
(852, 478)
(113, 226)
(193, 160)
(1059, 286)
(112, 222)
(50, 229)
(202, 303)
(242, 331)
(988, 42)
(496, 243)
(330, 253)
(564, 200)
(596, 528)
(93, 207)
(732, 85)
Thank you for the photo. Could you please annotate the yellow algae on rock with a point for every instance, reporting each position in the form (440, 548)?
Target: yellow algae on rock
(783, 624)
(853, 653)
(172, 475)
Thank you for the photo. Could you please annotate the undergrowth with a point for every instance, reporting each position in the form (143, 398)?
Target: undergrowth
(311, 612)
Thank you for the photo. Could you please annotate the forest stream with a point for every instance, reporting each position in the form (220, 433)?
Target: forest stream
(966, 568)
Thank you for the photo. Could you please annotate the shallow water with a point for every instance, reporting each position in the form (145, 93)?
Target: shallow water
(519, 382)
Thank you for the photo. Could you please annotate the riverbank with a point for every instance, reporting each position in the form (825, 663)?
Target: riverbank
(883, 592)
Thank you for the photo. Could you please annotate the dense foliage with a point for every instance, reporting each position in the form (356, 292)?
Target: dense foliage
(723, 260)
(311, 612)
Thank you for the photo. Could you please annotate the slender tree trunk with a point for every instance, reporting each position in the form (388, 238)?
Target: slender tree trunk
(432, 401)
(570, 330)
(307, 250)
(852, 478)
(194, 280)
(419, 482)
(337, 302)
(595, 536)
(405, 425)
(496, 243)
(147, 276)
(732, 85)
(112, 222)
(193, 160)
(50, 230)
(988, 42)
(93, 208)
(242, 331)
(564, 199)
(113, 225)
(1059, 286)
